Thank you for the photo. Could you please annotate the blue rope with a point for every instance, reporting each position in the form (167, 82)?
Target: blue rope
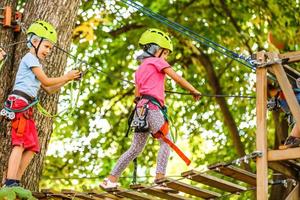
(23, 109)
(248, 62)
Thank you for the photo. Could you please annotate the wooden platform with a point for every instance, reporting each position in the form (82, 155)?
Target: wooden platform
(287, 154)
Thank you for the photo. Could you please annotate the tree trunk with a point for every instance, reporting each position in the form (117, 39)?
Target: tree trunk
(62, 15)
(200, 59)
(281, 132)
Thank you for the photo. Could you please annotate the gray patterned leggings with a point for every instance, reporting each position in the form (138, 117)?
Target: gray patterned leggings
(156, 120)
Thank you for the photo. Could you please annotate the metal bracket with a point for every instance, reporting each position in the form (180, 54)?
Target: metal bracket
(263, 60)
(7, 21)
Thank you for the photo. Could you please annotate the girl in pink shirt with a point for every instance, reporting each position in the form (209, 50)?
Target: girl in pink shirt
(150, 95)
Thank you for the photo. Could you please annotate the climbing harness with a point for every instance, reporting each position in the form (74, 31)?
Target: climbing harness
(10, 112)
(138, 120)
(273, 104)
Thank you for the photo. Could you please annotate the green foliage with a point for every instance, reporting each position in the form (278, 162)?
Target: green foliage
(11, 193)
(85, 146)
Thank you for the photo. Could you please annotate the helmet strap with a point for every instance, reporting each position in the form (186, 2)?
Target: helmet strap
(149, 53)
(38, 47)
(161, 53)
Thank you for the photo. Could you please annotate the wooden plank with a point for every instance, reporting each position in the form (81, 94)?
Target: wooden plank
(189, 189)
(261, 132)
(294, 194)
(294, 164)
(291, 71)
(51, 193)
(287, 90)
(290, 56)
(39, 195)
(78, 195)
(213, 181)
(158, 193)
(284, 169)
(235, 172)
(285, 154)
(131, 194)
(104, 195)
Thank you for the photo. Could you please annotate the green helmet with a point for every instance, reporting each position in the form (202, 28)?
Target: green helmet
(158, 37)
(44, 30)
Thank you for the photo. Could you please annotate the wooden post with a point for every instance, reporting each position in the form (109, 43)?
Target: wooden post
(286, 88)
(261, 132)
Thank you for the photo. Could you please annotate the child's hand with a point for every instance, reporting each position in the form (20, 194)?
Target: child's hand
(196, 95)
(2, 54)
(73, 74)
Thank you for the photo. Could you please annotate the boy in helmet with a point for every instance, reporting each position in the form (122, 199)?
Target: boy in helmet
(41, 36)
(150, 103)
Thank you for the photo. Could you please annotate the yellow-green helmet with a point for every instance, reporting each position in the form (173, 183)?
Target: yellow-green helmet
(44, 30)
(158, 37)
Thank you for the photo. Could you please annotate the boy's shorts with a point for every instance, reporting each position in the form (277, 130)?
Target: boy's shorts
(23, 131)
(284, 106)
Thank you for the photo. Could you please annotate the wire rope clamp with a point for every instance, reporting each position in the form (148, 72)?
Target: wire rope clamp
(256, 154)
(260, 58)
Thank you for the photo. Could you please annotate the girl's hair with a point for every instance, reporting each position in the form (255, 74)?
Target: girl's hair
(148, 51)
(30, 38)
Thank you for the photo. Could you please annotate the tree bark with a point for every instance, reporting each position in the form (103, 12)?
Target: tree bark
(62, 15)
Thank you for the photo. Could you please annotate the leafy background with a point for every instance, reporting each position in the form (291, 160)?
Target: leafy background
(86, 144)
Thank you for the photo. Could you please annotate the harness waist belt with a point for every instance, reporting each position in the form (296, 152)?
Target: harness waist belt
(151, 98)
(24, 95)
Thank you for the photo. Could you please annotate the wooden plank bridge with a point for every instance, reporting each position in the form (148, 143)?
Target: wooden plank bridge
(221, 179)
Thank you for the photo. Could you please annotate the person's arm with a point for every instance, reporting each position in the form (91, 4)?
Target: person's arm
(54, 88)
(182, 82)
(48, 82)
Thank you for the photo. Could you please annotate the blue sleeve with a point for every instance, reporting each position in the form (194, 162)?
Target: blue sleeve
(31, 61)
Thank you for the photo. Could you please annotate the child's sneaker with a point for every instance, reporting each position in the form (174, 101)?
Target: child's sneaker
(290, 142)
(107, 184)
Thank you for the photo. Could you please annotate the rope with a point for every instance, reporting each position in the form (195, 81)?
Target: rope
(247, 61)
(131, 82)
(71, 108)
(134, 176)
(212, 95)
